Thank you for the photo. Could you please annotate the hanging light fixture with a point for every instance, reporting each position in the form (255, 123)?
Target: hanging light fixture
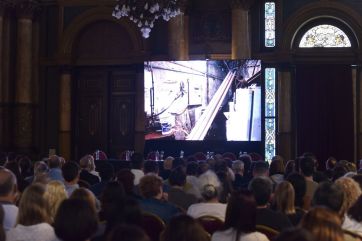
(144, 13)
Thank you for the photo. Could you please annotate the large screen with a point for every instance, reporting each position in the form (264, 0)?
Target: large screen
(203, 100)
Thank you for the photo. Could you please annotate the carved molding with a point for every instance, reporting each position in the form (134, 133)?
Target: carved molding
(26, 8)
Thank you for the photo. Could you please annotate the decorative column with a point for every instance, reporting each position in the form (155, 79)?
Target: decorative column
(240, 40)
(23, 122)
(285, 139)
(65, 107)
(178, 27)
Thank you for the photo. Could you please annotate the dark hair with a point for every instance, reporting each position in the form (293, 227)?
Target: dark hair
(329, 195)
(106, 172)
(289, 168)
(113, 192)
(177, 177)
(178, 162)
(137, 160)
(307, 166)
(150, 186)
(241, 213)
(70, 171)
(276, 167)
(331, 163)
(295, 234)
(54, 161)
(75, 220)
(184, 228)
(150, 166)
(355, 211)
(260, 167)
(126, 178)
(262, 188)
(300, 187)
(192, 168)
(25, 166)
(128, 233)
(7, 182)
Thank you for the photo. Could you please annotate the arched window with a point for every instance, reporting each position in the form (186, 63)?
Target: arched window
(325, 36)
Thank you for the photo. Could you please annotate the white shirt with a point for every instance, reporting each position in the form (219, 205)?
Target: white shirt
(230, 235)
(352, 225)
(217, 210)
(37, 232)
(10, 215)
(138, 174)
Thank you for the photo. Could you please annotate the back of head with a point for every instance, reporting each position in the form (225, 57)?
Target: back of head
(82, 224)
(150, 166)
(126, 178)
(324, 224)
(209, 192)
(260, 168)
(86, 162)
(33, 207)
(137, 160)
(192, 168)
(7, 182)
(178, 162)
(128, 233)
(241, 204)
(238, 166)
(300, 187)
(262, 188)
(295, 234)
(177, 177)
(40, 167)
(70, 171)
(330, 163)
(86, 195)
(55, 193)
(351, 192)
(54, 161)
(167, 163)
(284, 197)
(184, 228)
(276, 166)
(307, 166)
(106, 172)
(329, 195)
(150, 186)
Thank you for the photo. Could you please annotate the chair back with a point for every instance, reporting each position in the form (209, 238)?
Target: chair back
(268, 231)
(351, 236)
(210, 224)
(152, 225)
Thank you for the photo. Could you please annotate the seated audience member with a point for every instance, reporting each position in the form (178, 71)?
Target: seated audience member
(70, 171)
(330, 164)
(107, 174)
(126, 178)
(353, 218)
(283, 201)
(176, 194)
(151, 190)
(8, 195)
(184, 228)
(178, 162)
(86, 195)
(55, 171)
(211, 205)
(261, 187)
(25, 166)
(15, 169)
(307, 168)
(351, 192)
(203, 167)
(137, 162)
(260, 169)
(240, 181)
(41, 170)
(55, 194)
(276, 169)
(150, 167)
(85, 164)
(75, 220)
(289, 168)
(295, 234)
(33, 221)
(246, 159)
(323, 224)
(209, 177)
(128, 233)
(329, 195)
(299, 184)
(240, 219)
(167, 167)
(192, 170)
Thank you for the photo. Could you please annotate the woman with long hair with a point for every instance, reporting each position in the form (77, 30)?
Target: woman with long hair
(240, 219)
(33, 222)
(55, 193)
(284, 198)
(324, 224)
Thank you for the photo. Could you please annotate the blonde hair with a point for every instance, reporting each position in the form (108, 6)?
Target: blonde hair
(55, 193)
(86, 195)
(33, 207)
(324, 224)
(351, 191)
(284, 197)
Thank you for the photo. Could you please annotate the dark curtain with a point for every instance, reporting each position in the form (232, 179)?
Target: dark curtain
(324, 111)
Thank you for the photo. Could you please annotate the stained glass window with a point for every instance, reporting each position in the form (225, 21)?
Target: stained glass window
(325, 36)
(270, 121)
(269, 24)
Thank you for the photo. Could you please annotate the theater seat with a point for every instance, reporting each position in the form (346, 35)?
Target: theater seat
(268, 231)
(152, 225)
(210, 223)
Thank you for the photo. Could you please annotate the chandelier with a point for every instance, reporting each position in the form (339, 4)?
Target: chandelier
(144, 13)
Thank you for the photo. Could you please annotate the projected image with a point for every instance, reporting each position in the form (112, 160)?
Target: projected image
(203, 100)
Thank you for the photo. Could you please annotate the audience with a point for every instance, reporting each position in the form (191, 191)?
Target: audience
(240, 204)
(86, 195)
(128, 233)
(70, 171)
(55, 193)
(276, 169)
(307, 169)
(353, 218)
(295, 234)
(351, 192)
(299, 184)
(8, 196)
(137, 162)
(167, 167)
(33, 220)
(262, 187)
(240, 181)
(55, 171)
(85, 164)
(106, 174)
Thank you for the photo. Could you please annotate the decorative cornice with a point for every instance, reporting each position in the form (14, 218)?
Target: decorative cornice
(243, 4)
(26, 8)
